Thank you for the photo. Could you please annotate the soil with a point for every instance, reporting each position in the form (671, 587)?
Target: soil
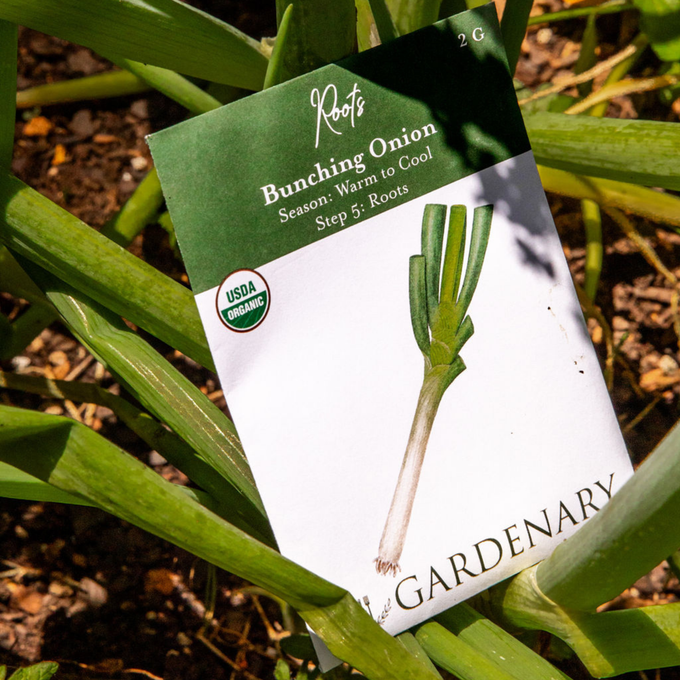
(107, 600)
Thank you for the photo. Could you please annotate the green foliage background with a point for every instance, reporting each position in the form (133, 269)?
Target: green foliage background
(88, 281)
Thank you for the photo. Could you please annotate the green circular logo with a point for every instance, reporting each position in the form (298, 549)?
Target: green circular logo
(243, 300)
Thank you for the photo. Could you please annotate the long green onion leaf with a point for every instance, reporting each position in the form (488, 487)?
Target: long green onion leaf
(8, 88)
(75, 459)
(592, 221)
(457, 657)
(225, 501)
(514, 28)
(658, 206)
(661, 22)
(367, 31)
(639, 522)
(453, 257)
(608, 643)
(139, 210)
(164, 33)
(409, 641)
(587, 56)
(16, 484)
(98, 86)
(612, 7)
(322, 31)
(610, 148)
(276, 71)
(171, 84)
(417, 304)
(481, 227)
(384, 22)
(165, 392)
(501, 648)
(410, 15)
(32, 226)
(434, 221)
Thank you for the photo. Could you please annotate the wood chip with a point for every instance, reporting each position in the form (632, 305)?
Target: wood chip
(60, 156)
(28, 600)
(161, 581)
(570, 48)
(38, 127)
(60, 372)
(61, 364)
(595, 330)
(73, 410)
(36, 345)
(88, 417)
(658, 379)
(57, 358)
(105, 139)
(655, 293)
(80, 367)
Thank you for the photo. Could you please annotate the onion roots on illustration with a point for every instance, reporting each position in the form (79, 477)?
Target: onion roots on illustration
(439, 305)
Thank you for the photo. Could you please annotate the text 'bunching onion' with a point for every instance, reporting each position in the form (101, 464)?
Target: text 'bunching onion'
(441, 327)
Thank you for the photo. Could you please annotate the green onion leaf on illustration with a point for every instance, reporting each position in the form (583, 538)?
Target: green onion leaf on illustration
(441, 327)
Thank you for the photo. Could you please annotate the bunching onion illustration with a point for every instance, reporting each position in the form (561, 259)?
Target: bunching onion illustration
(441, 327)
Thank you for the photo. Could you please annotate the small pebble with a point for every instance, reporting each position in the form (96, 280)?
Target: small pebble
(82, 124)
(140, 108)
(544, 36)
(96, 594)
(20, 364)
(668, 364)
(138, 163)
(155, 459)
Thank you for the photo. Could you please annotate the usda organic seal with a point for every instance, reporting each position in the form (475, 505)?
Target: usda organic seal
(243, 300)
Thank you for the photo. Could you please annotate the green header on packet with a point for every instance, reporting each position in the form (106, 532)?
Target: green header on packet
(272, 173)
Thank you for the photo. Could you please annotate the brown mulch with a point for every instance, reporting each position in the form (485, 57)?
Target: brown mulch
(108, 600)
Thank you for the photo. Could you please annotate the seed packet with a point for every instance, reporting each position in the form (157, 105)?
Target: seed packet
(393, 321)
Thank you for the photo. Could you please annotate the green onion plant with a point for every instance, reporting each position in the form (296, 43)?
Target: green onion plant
(68, 273)
(441, 328)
